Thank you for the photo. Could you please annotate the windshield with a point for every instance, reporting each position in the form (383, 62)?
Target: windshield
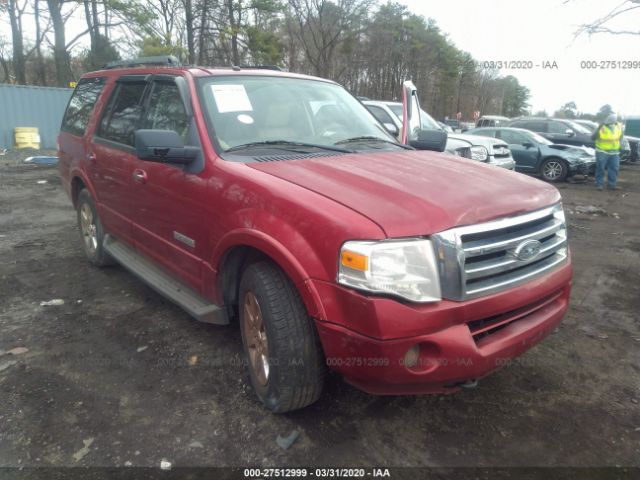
(588, 125)
(245, 110)
(579, 128)
(428, 123)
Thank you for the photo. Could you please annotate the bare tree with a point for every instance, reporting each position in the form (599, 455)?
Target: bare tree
(60, 53)
(15, 10)
(602, 24)
(323, 26)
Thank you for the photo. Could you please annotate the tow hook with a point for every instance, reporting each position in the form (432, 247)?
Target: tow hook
(468, 385)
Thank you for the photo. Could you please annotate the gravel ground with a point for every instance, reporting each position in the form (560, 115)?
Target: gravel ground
(118, 376)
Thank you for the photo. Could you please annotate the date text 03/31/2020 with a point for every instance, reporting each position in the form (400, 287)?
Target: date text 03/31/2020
(328, 472)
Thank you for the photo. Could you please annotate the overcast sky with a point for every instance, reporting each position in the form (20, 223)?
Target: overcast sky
(543, 30)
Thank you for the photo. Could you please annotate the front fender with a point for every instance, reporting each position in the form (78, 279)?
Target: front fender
(287, 256)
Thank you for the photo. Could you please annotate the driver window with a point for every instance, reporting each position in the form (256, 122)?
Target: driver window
(165, 110)
(558, 127)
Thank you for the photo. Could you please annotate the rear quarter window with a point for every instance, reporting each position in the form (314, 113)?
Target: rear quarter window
(80, 107)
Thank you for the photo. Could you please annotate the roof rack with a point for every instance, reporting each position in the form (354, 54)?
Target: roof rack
(258, 67)
(160, 60)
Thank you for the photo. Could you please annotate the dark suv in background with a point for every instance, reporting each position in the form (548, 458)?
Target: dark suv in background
(556, 129)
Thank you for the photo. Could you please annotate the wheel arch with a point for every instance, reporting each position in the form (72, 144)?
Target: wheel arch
(244, 246)
(78, 182)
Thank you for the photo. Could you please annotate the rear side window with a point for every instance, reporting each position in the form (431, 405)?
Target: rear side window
(512, 138)
(81, 105)
(489, 132)
(535, 126)
(122, 116)
(165, 110)
(380, 114)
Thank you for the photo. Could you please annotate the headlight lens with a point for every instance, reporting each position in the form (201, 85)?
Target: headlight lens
(406, 268)
(478, 152)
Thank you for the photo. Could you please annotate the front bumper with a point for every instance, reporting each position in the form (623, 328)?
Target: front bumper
(367, 338)
(584, 168)
(502, 162)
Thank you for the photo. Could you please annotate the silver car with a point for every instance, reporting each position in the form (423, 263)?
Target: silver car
(483, 149)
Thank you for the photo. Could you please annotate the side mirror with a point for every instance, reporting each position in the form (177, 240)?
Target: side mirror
(435, 140)
(411, 121)
(569, 132)
(164, 146)
(527, 144)
(391, 128)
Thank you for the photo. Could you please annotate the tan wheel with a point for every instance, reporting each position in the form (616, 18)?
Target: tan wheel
(284, 357)
(88, 228)
(91, 230)
(256, 343)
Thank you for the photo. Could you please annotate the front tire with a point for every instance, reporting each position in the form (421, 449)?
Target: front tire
(285, 361)
(554, 170)
(91, 230)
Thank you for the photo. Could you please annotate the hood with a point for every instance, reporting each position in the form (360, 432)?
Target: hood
(411, 193)
(574, 151)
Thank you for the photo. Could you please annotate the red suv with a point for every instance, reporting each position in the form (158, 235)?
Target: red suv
(278, 201)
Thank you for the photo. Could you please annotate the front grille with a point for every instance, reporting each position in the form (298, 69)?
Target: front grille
(482, 329)
(486, 258)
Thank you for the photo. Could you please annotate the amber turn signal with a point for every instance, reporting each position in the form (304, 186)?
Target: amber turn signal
(357, 261)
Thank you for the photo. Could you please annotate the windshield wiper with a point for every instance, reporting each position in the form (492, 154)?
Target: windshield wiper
(370, 138)
(277, 143)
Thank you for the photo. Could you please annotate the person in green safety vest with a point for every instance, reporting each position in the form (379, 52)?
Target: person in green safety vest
(608, 136)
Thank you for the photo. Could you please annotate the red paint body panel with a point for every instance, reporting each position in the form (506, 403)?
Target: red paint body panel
(419, 192)
(299, 213)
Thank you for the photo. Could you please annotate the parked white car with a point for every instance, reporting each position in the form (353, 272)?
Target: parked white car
(483, 149)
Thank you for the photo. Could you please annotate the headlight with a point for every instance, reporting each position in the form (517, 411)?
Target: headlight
(558, 214)
(406, 268)
(463, 152)
(479, 153)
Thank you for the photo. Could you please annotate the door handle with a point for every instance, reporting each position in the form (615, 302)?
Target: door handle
(139, 176)
(91, 157)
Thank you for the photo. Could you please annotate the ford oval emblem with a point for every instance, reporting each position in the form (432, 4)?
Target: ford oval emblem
(527, 250)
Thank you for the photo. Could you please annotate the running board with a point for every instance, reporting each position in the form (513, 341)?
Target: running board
(200, 308)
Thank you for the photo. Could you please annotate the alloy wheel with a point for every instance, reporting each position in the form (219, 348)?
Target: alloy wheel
(88, 228)
(552, 170)
(256, 341)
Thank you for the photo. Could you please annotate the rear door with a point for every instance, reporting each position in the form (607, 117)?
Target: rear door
(72, 143)
(112, 157)
(168, 216)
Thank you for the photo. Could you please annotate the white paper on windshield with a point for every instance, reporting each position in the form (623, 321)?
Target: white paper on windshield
(231, 98)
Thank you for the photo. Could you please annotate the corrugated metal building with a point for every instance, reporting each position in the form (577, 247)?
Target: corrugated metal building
(27, 106)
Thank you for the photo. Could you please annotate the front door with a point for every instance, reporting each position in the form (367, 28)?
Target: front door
(525, 153)
(169, 224)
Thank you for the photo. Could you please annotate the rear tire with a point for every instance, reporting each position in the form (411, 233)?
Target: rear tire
(284, 357)
(554, 170)
(91, 231)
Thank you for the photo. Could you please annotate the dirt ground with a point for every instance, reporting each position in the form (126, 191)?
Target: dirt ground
(118, 376)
